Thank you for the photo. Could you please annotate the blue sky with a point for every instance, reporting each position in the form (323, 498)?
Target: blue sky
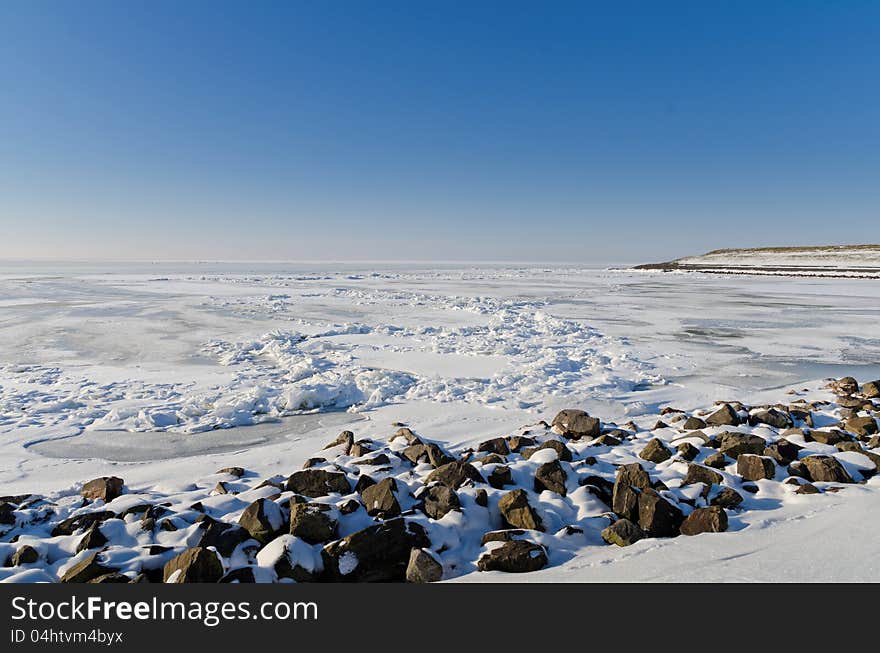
(582, 131)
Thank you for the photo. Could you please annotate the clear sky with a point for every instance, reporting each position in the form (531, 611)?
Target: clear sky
(581, 132)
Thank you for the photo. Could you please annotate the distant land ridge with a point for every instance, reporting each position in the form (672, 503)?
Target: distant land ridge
(859, 261)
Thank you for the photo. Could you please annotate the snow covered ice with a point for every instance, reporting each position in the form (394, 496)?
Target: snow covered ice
(162, 373)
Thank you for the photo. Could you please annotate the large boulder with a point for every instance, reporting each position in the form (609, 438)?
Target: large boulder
(374, 554)
(657, 516)
(106, 488)
(495, 445)
(428, 452)
(862, 425)
(700, 474)
(754, 468)
(733, 444)
(220, 535)
(725, 497)
(623, 532)
(318, 483)
(499, 477)
(871, 389)
(455, 474)
(550, 476)
(716, 460)
(195, 565)
(93, 539)
(625, 495)
(24, 555)
(345, 440)
(724, 416)
(562, 452)
(825, 468)
(379, 499)
(782, 451)
(439, 500)
(513, 557)
(576, 424)
(844, 387)
(263, 520)
(312, 522)
(655, 451)
(705, 520)
(771, 417)
(86, 569)
(291, 557)
(423, 567)
(517, 512)
(693, 424)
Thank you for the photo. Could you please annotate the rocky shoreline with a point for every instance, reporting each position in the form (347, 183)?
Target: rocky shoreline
(406, 509)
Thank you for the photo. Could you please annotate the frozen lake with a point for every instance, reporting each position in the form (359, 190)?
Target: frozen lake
(123, 362)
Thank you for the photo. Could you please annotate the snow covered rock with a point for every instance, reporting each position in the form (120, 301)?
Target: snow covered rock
(513, 557)
(439, 500)
(262, 519)
(318, 483)
(625, 498)
(423, 567)
(517, 512)
(705, 520)
(453, 475)
(379, 499)
(755, 468)
(655, 452)
(106, 488)
(551, 476)
(374, 554)
(575, 424)
(312, 522)
(623, 532)
(657, 516)
(195, 565)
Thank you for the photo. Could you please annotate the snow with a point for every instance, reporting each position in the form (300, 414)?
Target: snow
(163, 373)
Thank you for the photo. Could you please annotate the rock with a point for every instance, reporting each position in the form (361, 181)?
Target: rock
(733, 444)
(374, 554)
(625, 497)
(754, 468)
(24, 555)
(871, 389)
(312, 522)
(364, 481)
(379, 499)
(518, 442)
(481, 498)
(374, 461)
(844, 387)
(575, 424)
(238, 472)
(516, 556)
(725, 497)
(220, 535)
(93, 539)
(220, 488)
(502, 536)
(345, 440)
(72, 524)
(263, 520)
(782, 451)
(195, 565)
(716, 460)
(862, 425)
(495, 445)
(623, 532)
(873, 443)
(705, 520)
(657, 516)
(600, 487)
(499, 477)
(318, 483)
(772, 417)
(453, 475)
(423, 567)
(438, 500)
(828, 437)
(517, 512)
(687, 451)
(855, 446)
(311, 462)
(605, 440)
(349, 506)
(239, 575)
(429, 452)
(407, 434)
(807, 488)
(693, 424)
(804, 416)
(700, 474)
(86, 569)
(655, 452)
(825, 468)
(112, 577)
(724, 416)
(106, 488)
(7, 514)
(551, 476)
(563, 452)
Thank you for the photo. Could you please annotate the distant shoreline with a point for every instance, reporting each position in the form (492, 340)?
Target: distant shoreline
(827, 261)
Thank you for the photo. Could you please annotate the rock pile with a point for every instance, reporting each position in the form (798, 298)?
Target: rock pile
(407, 509)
